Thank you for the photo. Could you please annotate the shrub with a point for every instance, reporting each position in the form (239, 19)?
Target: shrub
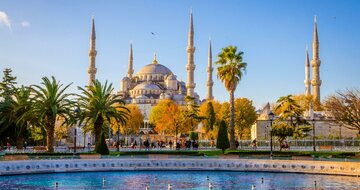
(222, 141)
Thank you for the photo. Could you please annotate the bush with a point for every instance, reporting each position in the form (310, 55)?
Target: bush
(101, 147)
(222, 141)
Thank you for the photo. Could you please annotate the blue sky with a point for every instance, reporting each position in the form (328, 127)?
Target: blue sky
(45, 38)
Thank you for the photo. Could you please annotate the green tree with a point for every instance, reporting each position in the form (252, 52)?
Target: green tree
(230, 71)
(222, 141)
(100, 146)
(289, 110)
(99, 106)
(192, 113)
(282, 130)
(49, 102)
(245, 116)
(210, 117)
(7, 86)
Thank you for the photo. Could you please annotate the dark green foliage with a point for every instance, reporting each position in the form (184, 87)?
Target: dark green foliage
(101, 146)
(222, 141)
(211, 118)
(194, 135)
(7, 86)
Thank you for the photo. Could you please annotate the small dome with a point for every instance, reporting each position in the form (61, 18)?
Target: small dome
(126, 79)
(146, 86)
(178, 97)
(162, 96)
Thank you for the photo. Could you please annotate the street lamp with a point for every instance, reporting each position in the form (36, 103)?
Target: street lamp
(313, 128)
(77, 117)
(118, 138)
(271, 117)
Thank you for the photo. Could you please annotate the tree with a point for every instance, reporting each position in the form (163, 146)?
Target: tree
(100, 146)
(222, 140)
(282, 130)
(99, 106)
(245, 116)
(168, 118)
(345, 108)
(210, 117)
(11, 112)
(132, 125)
(289, 110)
(230, 71)
(7, 86)
(192, 112)
(49, 102)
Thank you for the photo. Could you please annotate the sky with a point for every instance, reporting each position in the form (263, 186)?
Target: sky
(51, 38)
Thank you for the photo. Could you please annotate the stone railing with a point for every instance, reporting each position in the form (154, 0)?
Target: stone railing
(229, 164)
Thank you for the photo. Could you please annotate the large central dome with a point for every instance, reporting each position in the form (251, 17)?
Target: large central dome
(155, 69)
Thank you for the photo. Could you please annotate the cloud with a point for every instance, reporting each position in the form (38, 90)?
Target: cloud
(25, 24)
(4, 20)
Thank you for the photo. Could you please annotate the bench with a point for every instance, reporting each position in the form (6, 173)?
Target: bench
(326, 147)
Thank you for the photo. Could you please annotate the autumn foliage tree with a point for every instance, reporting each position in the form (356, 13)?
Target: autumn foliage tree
(134, 122)
(245, 116)
(168, 118)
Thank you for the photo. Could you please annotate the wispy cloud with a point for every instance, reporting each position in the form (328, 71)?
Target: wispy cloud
(4, 20)
(25, 24)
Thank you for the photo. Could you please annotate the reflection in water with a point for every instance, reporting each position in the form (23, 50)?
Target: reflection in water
(179, 180)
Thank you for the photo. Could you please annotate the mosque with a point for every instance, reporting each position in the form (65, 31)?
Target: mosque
(323, 122)
(155, 82)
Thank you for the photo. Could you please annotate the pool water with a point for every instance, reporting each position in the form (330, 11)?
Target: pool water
(178, 179)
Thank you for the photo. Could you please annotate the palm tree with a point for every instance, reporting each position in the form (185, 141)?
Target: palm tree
(48, 103)
(12, 111)
(230, 70)
(99, 106)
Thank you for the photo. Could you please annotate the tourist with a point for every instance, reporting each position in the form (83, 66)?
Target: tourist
(212, 143)
(25, 145)
(236, 144)
(254, 144)
(178, 145)
(170, 144)
(88, 146)
(146, 144)
(8, 146)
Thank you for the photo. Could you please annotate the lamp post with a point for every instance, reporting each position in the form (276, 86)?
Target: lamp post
(118, 138)
(77, 117)
(271, 117)
(313, 129)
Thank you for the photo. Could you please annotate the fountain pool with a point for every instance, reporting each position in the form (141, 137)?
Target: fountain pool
(178, 180)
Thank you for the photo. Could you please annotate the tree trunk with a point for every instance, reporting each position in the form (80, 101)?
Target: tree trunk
(232, 130)
(20, 139)
(50, 138)
(98, 128)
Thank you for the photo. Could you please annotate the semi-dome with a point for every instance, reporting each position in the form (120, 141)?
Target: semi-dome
(146, 86)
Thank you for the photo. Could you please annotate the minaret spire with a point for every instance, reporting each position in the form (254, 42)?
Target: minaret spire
(210, 69)
(307, 74)
(316, 82)
(190, 67)
(92, 54)
(130, 66)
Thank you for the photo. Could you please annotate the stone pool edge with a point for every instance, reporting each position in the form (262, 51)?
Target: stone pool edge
(244, 165)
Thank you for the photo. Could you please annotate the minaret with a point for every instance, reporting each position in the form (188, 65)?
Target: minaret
(92, 55)
(210, 82)
(130, 66)
(190, 67)
(316, 82)
(307, 75)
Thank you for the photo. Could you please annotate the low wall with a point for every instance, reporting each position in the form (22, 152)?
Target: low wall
(74, 165)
